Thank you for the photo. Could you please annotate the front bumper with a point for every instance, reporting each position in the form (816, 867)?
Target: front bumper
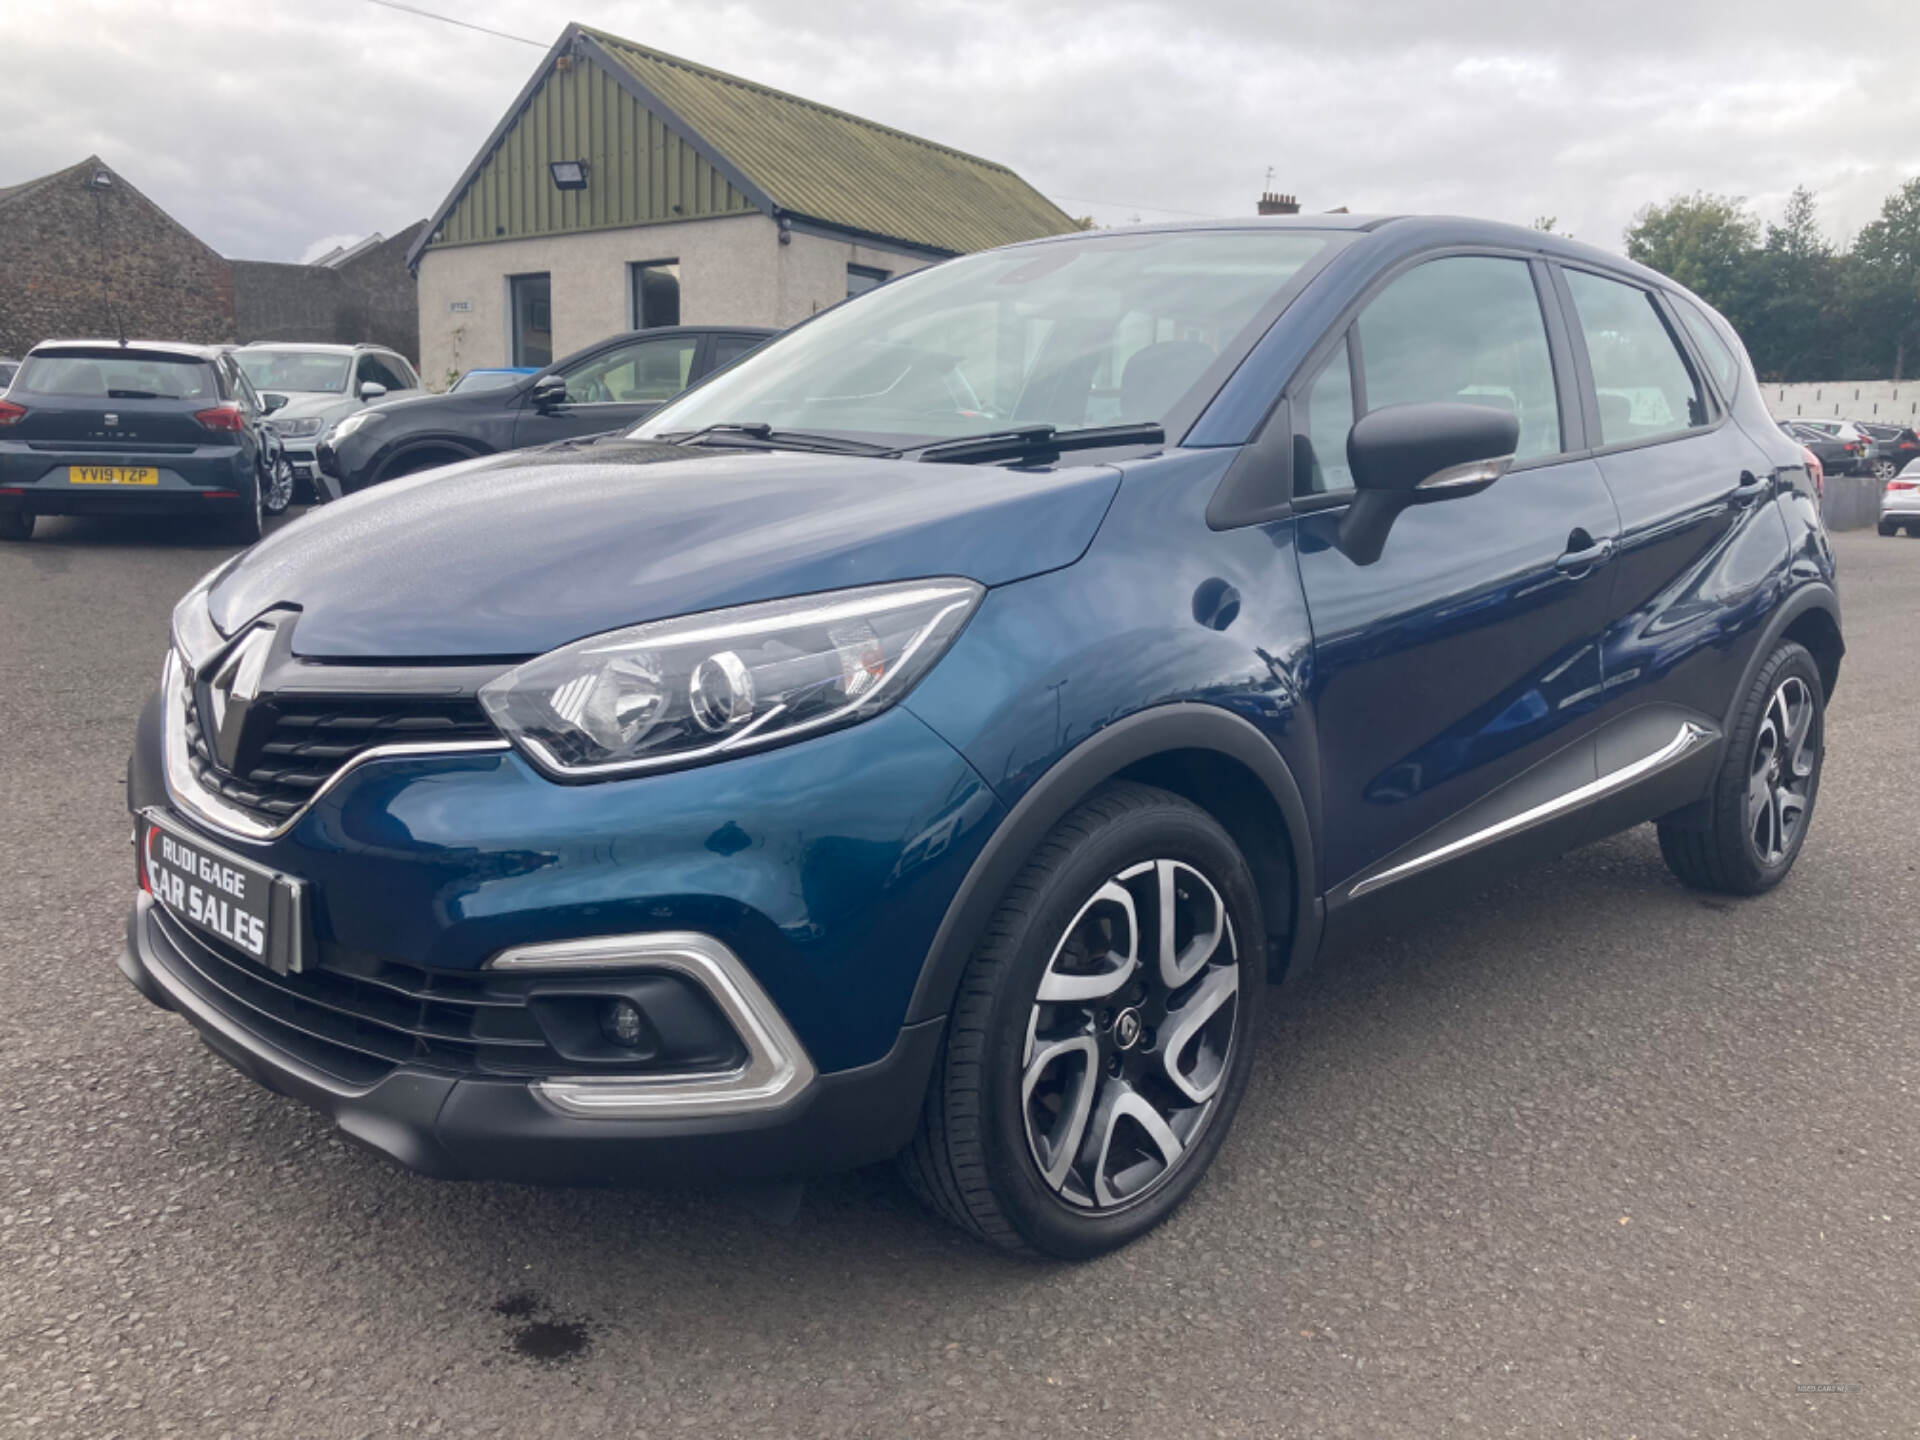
(489, 1128)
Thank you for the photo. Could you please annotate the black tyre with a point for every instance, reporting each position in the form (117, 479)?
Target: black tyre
(16, 525)
(1889, 527)
(1762, 802)
(251, 522)
(1091, 1069)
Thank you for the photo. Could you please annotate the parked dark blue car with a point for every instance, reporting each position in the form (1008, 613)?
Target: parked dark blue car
(929, 736)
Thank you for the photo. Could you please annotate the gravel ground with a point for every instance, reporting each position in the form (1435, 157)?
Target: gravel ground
(1587, 1155)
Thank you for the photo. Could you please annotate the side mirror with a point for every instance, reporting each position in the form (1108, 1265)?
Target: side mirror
(549, 391)
(271, 402)
(1405, 455)
(372, 390)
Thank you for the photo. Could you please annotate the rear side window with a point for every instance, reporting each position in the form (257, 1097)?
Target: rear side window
(117, 375)
(1645, 387)
(1719, 356)
(729, 348)
(1465, 329)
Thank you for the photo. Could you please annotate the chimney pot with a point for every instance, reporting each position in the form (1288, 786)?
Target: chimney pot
(1272, 204)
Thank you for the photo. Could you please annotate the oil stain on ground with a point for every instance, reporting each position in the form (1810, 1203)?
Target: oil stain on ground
(536, 1333)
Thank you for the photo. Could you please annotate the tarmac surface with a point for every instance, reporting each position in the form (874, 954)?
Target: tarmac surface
(1586, 1154)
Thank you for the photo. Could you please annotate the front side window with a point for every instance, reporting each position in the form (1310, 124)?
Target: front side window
(656, 293)
(377, 370)
(1646, 388)
(1466, 329)
(1463, 330)
(647, 370)
(1091, 330)
(729, 348)
(530, 319)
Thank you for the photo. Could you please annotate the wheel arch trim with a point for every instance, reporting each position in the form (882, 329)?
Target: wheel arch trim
(1802, 601)
(1141, 736)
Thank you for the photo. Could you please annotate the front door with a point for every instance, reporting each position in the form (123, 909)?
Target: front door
(612, 389)
(1468, 653)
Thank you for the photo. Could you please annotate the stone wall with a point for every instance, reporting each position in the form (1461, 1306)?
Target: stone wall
(85, 261)
(369, 299)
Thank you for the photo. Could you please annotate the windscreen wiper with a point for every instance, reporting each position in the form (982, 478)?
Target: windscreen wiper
(761, 433)
(1023, 442)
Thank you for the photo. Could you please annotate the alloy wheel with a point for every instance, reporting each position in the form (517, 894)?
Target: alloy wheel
(279, 493)
(1781, 778)
(1885, 469)
(1130, 1035)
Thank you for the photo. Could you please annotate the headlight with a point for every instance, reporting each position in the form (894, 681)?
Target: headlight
(299, 429)
(705, 686)
(354, 422)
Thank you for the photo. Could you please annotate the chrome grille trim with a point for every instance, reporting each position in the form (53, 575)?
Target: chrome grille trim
(192, 797)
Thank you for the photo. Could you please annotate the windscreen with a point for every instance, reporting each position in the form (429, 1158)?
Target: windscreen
(117, 375)
(1093, 331)
(304, 371)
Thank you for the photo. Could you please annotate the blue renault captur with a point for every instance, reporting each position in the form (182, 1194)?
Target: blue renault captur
(929, 736)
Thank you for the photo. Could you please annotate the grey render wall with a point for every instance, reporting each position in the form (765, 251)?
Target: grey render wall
(371, 298)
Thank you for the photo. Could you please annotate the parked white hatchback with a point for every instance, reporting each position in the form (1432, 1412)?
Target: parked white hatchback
(1900, 502)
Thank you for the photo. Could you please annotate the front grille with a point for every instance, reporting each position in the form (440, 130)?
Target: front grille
(312, 739)
(358, 1017)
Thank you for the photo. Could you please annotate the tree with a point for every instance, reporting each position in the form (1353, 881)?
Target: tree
(1703, 241)
(1887, 254)
(1798, 331)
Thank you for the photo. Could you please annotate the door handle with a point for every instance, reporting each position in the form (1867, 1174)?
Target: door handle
(1587, 558)
(1749, 489)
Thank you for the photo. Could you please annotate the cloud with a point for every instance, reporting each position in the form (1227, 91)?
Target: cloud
(322, 118)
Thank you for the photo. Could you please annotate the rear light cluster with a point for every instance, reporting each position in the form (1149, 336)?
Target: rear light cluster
(222, 417)
(11, 414)
(1903, 484)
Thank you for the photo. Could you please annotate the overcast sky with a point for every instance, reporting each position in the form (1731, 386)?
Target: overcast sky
(274, 128)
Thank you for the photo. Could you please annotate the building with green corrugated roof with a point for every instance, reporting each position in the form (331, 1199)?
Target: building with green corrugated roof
(625, 187)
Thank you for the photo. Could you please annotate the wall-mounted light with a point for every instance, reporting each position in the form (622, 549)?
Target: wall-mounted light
(568, 174)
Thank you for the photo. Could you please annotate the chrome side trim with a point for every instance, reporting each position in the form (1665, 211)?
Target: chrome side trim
(777, 1067)
(1690, 738)
(192, 798)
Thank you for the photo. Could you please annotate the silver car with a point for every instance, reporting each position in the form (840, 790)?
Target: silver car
(323, 384)
(1900, 502)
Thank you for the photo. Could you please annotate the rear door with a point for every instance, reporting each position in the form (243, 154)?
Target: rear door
(1468, 653)
(1702, 546)
(612, 388)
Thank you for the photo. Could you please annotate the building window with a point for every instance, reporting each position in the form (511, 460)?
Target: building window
(862, 278)
(530, 319)
(656, 293)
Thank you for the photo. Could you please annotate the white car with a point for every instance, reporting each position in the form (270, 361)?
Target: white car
(1900, 502)
(323, 384)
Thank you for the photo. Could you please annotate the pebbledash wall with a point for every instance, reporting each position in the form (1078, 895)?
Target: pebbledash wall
(734, 270)
(1892, 402)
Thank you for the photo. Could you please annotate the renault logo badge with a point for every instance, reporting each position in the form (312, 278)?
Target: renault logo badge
(232, 691)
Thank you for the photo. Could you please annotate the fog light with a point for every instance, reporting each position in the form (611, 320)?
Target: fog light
(623, 1024)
